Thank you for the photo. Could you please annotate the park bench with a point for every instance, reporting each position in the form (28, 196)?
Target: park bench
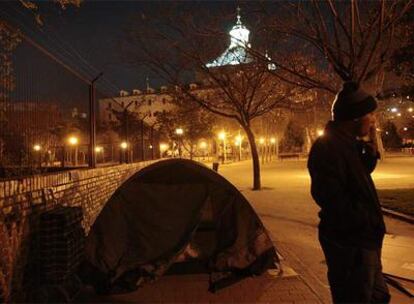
(283, 156)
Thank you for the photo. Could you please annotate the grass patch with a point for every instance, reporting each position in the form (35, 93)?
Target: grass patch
(400, 200)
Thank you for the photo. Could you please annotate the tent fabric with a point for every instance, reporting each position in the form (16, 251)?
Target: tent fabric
(173, 211)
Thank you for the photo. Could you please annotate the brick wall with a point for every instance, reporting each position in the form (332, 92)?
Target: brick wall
(21, 200)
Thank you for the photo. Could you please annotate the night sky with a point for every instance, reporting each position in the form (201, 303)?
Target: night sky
(87, 39)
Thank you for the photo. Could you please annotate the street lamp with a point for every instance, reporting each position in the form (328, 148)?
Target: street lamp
(124, 146)
(238, 141)
(222, 136)
(99, 150)
(273, 147)
(179, 132)
(73, 141)
(37, 149)
(320, 132)
(262, 142)
(203, 147)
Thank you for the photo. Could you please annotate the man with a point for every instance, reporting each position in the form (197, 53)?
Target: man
(351, 228)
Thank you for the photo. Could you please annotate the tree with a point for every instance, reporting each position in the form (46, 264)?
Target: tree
(196, 123)
(349, 40)
(9, 40)
(176, 46)
(34, 7)
(402, 63)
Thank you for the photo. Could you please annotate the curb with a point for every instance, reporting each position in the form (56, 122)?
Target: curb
(397, 215)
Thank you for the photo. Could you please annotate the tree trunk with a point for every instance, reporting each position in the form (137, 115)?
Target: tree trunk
(255, 158)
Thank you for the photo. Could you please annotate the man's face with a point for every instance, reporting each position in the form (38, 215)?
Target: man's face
(365, 124)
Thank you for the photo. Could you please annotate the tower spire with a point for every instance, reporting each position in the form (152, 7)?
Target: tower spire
(238, 16)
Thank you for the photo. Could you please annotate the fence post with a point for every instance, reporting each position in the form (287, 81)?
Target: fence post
(92, 122)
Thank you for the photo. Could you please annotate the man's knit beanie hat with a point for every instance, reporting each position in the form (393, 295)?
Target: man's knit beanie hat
(352, 102)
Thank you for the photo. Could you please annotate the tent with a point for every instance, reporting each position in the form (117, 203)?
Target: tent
(172, 214)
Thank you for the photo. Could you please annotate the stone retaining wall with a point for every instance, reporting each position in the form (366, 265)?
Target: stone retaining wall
(21, 200)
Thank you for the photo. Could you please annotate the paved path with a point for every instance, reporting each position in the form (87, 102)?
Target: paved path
(193, 289)
(288, 211)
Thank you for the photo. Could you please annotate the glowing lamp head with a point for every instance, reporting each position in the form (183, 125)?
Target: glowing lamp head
(124, 145)
(320, 132)
(203, 145)
(261, 140)
(163, 147)
(272, 140)
(73, 140)
(222, 135)
(37, 147)
(179, 131)
(98, 149)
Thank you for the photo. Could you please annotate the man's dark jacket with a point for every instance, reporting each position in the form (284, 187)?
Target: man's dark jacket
(342, 186)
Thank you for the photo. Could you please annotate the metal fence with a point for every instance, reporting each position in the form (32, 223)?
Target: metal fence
(46, 119)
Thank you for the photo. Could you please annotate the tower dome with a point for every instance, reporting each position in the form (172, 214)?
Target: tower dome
(239, 34)
(236, 53)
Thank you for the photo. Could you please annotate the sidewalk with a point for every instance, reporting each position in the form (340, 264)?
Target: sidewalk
(267, 288)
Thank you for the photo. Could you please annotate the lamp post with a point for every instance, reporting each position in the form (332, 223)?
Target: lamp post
(239, 140)
(92, 122)
(222, 137)
(203, 147)
(124, 146)
(37, 148)
(273, 147)
(73, 141)
(262, 142)
(99, 150)
(179, 132)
